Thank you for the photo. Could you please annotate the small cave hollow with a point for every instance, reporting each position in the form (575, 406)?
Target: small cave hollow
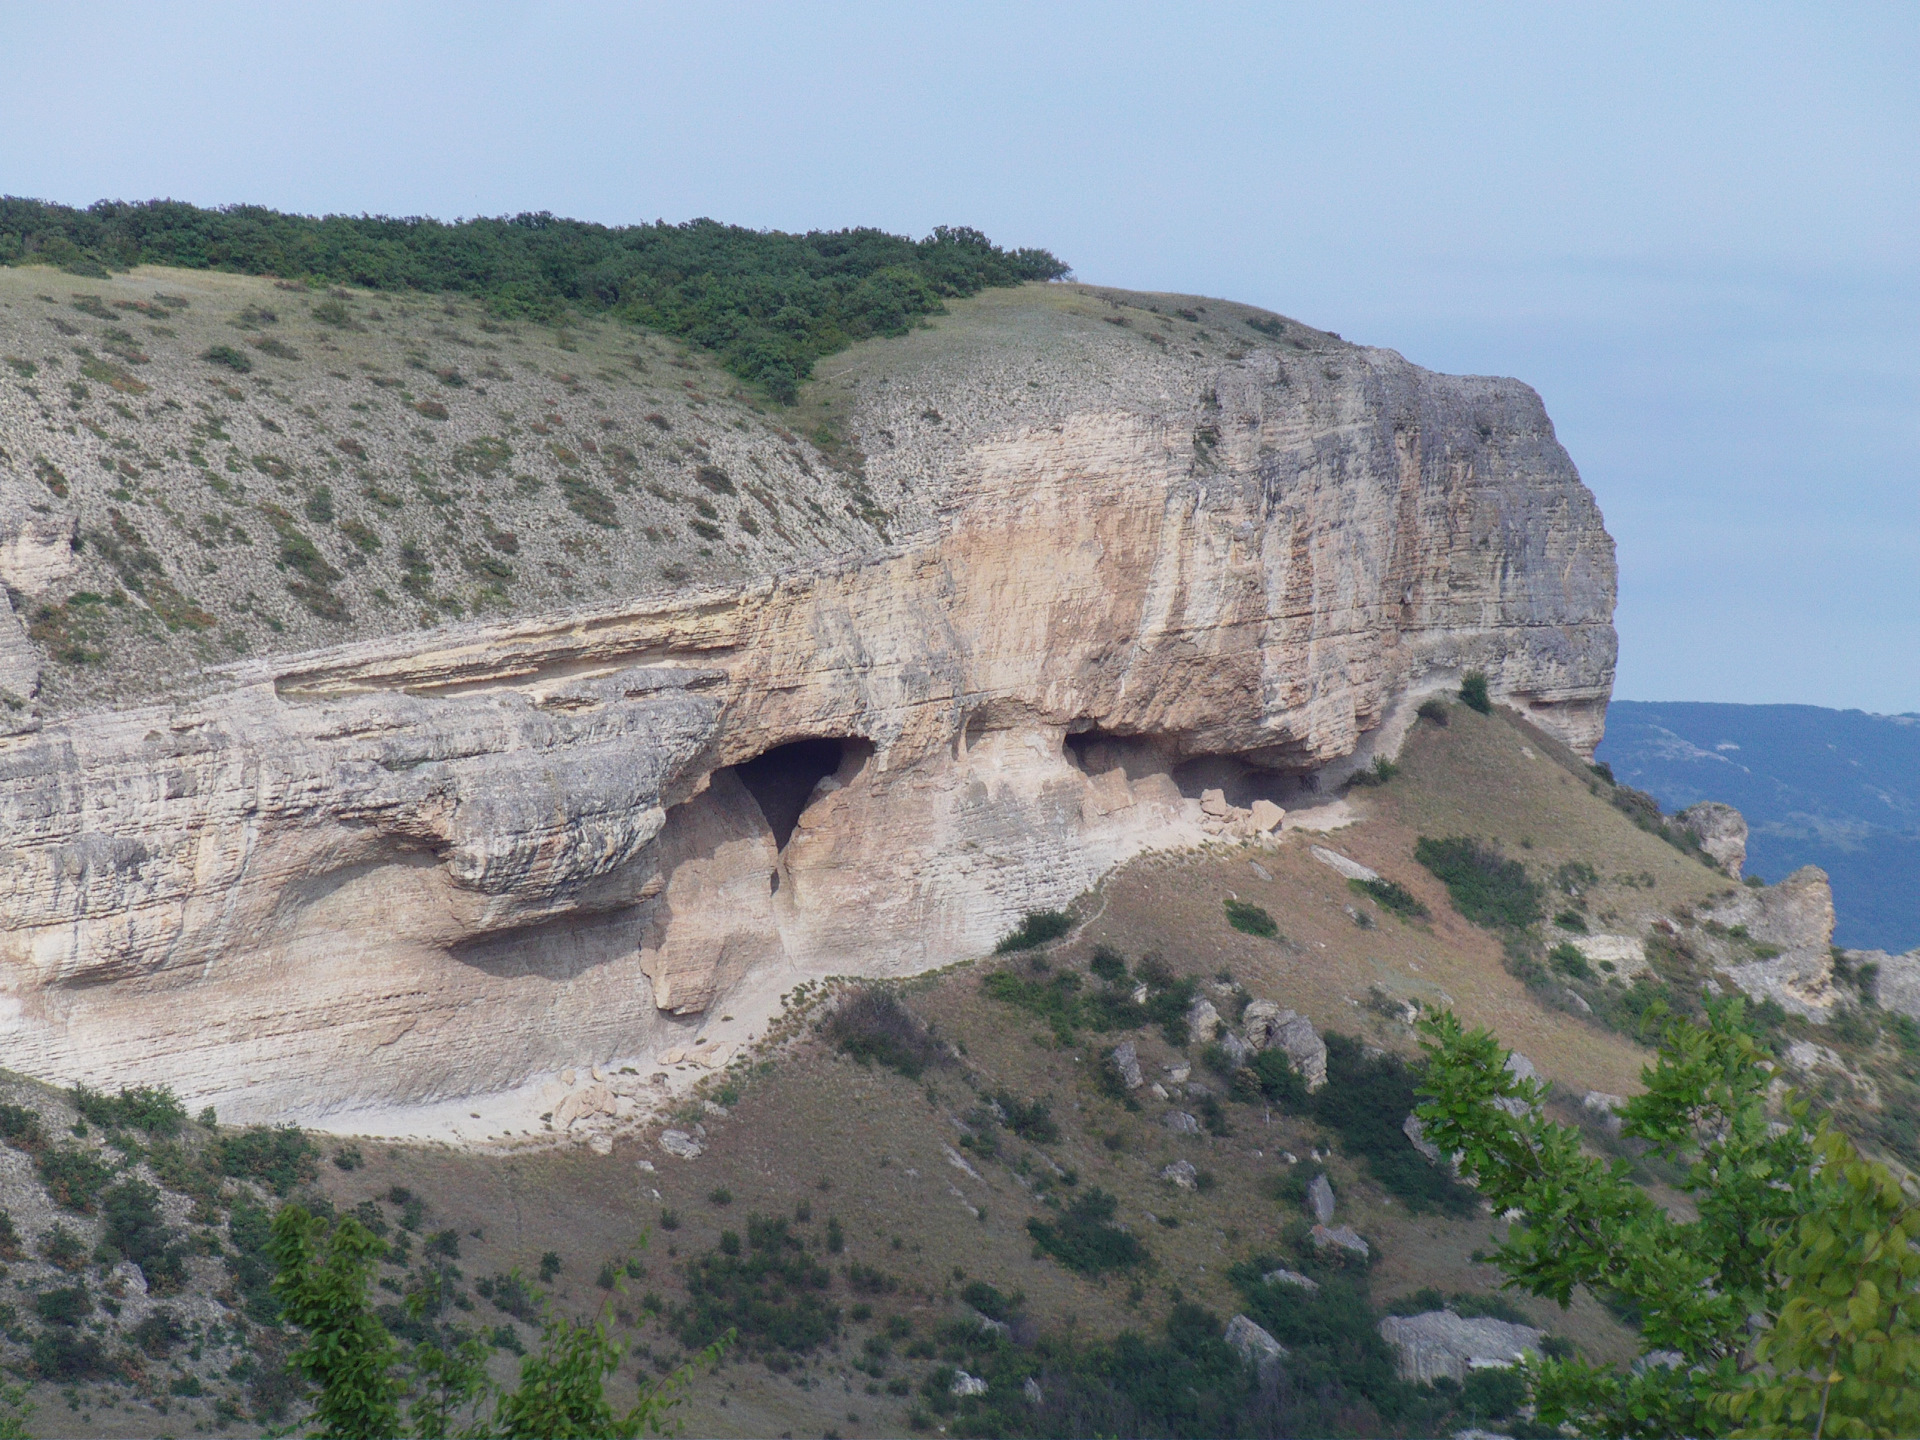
(782, 780)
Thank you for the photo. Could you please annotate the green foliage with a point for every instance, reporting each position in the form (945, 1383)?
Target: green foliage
(1379, 773)
(1567, 959)
(154, 1109)
(1251, 920)
(74, 1177)
(773, 1296)
(1279, 1083)
(136, 1230)
(226, 355)
(1031, 1120)
(1037, 928)
(769, 304)
(15, 1412)
(1084, 1240)
(1366, 1100)
(347, 1353)
(278, 1157)
(1485, 886)
(1792, 1227)
(1473, 692)
(1391, 895)
(1435, 709)
(21, 1128)
(873, 1026)
(1067, 1007)
(1108, 965)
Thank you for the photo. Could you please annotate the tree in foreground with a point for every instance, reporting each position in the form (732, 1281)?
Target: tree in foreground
(362, 1376)
(1789, 1306)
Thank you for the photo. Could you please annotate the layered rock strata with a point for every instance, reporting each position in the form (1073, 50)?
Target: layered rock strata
(430, 867)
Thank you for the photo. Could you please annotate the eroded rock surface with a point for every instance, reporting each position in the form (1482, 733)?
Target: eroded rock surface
(433, 865)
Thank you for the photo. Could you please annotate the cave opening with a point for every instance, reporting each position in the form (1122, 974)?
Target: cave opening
(782, 780)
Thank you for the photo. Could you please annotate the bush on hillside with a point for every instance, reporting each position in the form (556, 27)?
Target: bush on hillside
(1391, 895)
(152, 1108)
(1366, 1101)
(874, 1026)
(1485, 886)
(1251, 920)
(1083, 1238)
(1473, 692)
(1037, 928)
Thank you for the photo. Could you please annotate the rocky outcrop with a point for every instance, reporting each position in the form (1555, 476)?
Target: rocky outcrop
(1270, 1027)
(1440, 1342)
(1786, 934)
(1721, 831)
(433, 866)
(1895, 982)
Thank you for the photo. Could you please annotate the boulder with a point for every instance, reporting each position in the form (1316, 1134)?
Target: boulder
(1721, 831)
(1214, 802)
(1180, 1173)
(1237, 1049)
(1031, 1389)
(680, 1143)
(1203, 1021)
(1343, 1237)
(1256, 1346)
(1334, 860)
(1126, 1063)
(1266, 816)
(965, 1384)
(1181, 1123)
(1268, 1027)
(1605, 1108)
(1320, 1198)
(1440, 1342)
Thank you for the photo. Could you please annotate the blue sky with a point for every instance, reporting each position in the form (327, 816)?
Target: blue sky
(1694, 228)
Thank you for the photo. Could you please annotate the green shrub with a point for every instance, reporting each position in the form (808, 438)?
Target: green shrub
(1493, 1392)
(64, 1250)
(773, 1296)
(1473, 692)
(10, 1246)
(1279, 1082)
(136, 1230)
(1108, 965)
(1084, 1240)
(1391, 895)
(1486, 887)
(153, 1109)
(1435, 709)
(74, 1178)
(1366, 1101)
(1567, 959)
(21, 1128)
(550, 1264)
(228, 356)
(1251, 919)
(1037, 928)
(1031, 1120)
(1379, 773)
(873, 1026)
(278, 1157)
(992, 1302)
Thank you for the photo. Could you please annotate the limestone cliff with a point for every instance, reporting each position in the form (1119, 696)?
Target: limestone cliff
(1104, 551)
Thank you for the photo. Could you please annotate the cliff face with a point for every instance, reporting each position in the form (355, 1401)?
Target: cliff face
(1121, 568)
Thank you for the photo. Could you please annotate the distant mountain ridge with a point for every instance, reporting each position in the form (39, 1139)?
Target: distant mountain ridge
(1835, 788)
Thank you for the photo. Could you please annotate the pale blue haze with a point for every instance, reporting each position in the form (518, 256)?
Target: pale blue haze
(1691, 227)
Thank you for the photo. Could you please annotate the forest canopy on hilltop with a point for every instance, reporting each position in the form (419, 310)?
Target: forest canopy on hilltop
(767, 303)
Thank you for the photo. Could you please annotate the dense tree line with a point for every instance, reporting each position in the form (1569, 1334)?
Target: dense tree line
(768, 303)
